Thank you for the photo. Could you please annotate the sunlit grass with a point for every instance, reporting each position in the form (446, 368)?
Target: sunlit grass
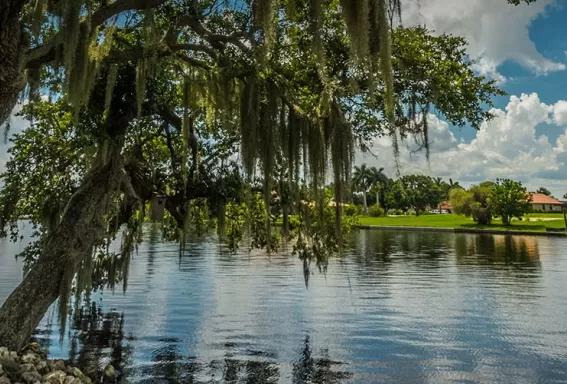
(456, 221)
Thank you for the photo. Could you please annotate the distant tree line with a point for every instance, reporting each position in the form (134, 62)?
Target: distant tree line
(415, 193)
(376, 193)
(504, 198)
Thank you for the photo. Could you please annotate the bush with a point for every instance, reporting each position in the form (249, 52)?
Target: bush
(376, 211)
(351, 210)
(482, 216)
(294, 223)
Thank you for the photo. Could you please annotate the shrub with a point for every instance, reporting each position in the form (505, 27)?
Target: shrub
(482, 216)
(376, 211)
(294, 223)
(351, 210)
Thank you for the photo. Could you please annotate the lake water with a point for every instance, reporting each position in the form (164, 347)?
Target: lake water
(396, 308)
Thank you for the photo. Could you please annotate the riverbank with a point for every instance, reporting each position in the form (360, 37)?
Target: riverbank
(533, 225)
(32, 367)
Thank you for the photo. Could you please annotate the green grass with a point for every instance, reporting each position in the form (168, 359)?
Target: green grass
(456, 221)
(555, 215)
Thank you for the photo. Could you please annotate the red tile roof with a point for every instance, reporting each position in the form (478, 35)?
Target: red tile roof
(540, 198)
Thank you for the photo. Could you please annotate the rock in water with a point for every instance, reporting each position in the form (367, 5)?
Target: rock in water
(57, 365)
(72, 380)
(109, 371)
(31, 377)
(28, 368)
(10, 367)
(57, 377)
(79, 375)
(32, 367)
(42, 368)
(30, 358)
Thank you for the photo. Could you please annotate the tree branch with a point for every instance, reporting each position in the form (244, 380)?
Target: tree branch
(45, 53)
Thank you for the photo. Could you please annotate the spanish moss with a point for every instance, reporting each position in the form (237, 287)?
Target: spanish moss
(264, 13)
(141, 74)
(71, 32)
(249, 114)
(38, 16)
(110, 83)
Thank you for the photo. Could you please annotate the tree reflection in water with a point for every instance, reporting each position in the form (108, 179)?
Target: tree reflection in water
(309, 369)
(97, 338)
(504, 250)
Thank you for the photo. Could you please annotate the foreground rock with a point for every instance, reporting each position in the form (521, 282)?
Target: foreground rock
(32, 367)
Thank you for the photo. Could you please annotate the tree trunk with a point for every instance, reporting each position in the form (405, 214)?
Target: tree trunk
(365, 204)
(378, 198)
(82, 227)
(12, 47)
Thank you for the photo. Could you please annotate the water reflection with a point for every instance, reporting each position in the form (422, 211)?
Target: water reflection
(397, 307)
(309, 369)
(498, 249)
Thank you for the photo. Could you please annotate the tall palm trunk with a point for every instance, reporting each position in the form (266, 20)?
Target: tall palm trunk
(365, 203)
(12, 47)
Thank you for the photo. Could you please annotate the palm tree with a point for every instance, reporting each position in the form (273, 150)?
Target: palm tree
(455, 184)
(444, 188)
(377, 179)
(361, 181)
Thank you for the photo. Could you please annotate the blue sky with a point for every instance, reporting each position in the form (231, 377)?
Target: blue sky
(524, 49)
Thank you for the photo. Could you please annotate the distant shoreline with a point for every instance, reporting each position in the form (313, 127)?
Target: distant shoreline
(461, 230)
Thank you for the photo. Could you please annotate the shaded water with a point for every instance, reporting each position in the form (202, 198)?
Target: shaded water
(398, 307)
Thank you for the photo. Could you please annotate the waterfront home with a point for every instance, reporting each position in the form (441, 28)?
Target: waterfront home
(544, 203)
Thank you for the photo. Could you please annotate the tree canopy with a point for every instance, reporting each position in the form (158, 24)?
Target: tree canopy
(544, 191)
(509, 199)
(208, 104)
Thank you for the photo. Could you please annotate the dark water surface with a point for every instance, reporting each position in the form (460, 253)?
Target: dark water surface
(399, 307)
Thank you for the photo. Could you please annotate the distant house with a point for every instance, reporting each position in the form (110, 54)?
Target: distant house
(541, 202)
(445, 206)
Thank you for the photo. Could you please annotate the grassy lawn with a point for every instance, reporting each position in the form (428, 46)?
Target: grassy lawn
(456, 221)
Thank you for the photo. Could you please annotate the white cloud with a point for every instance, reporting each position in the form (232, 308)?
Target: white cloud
(495, 30)
(507, 146)
(560, 113)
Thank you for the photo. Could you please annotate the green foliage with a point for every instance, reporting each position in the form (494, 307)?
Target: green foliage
(317, 239)
(473, 203)
(236, 214)
(544, 191)
(46, 166)
(509, 199)
(351, 210)
(297, 87)
(420, 192)
(376, 211)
